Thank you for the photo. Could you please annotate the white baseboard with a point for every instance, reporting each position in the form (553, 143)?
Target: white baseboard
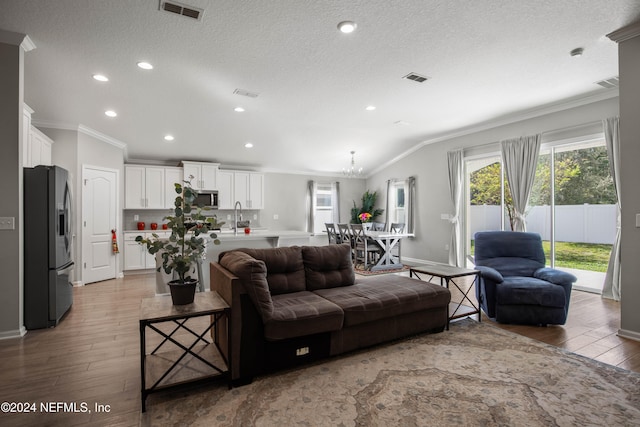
(77, 283)
(17, 333)
(632, 335)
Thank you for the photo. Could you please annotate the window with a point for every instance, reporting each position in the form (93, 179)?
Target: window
(324, 205)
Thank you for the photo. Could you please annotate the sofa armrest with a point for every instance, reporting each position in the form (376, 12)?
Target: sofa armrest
(555, 276)
(490, 273)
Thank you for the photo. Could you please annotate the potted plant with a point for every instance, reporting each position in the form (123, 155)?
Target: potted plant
(185, 246)
(367, 212)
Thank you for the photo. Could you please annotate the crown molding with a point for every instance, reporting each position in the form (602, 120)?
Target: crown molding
(81, 129)
(520, 116)
(625, 33)
(17, 39)
(102, 137)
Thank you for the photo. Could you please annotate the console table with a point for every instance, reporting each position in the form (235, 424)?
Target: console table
(447, 274)
(188, 355)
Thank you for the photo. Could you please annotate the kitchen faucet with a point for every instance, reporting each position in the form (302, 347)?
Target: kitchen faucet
(235, 217)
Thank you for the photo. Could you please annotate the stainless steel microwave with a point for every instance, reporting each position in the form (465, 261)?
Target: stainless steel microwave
(207, 199)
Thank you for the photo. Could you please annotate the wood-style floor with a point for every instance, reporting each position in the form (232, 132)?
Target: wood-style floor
(93, 355)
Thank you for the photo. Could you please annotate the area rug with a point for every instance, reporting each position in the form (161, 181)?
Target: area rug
(359, 270)
(472, 375)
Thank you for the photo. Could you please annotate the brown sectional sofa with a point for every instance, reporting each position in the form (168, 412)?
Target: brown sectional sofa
(296, 304)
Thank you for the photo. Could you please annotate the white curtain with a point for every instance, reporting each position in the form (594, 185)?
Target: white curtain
(409, 202)
(520, 157)
(611, 288)
(391, 204)
(335, 201)
(456, 179)
(311, 205)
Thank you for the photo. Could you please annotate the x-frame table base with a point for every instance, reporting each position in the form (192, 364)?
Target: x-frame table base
(198, 360)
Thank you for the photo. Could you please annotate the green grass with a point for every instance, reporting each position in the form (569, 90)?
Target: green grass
(582, 256)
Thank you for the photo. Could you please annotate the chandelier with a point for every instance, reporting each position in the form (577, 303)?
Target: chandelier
(352, 171)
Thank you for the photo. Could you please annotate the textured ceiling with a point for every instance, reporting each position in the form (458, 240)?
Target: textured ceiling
(485, 59)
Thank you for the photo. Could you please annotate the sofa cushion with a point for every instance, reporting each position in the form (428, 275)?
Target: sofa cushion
(285, 269)
(385, 296)
(253, 275)
(529, 291)
(328, 266)
(301, 313)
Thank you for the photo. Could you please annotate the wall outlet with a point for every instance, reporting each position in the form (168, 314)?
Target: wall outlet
(255, 216)
(136, 217)
(7, 223)
(275, 216)
(446, 247)
(228, 217)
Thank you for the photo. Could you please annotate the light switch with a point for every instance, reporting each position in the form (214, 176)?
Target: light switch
(7, 223)
(638, 220)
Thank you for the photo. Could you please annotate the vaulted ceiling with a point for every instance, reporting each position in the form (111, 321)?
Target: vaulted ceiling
(485, 61)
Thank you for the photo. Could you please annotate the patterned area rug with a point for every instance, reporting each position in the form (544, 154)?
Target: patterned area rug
(473, 374)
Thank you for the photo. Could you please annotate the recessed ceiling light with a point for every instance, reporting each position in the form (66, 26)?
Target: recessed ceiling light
(110, 113)
(347, 26)
(145, 65)
(100, 77)
(248, 145)
(370, 107)
(239, 110)
(169, 138)
(577, 52)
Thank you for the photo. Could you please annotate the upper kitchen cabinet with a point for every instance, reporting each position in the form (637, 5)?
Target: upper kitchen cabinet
(171, 177)
(248, 189)
(205, 175)
(37, 146)
(225, 189)
(144, 187)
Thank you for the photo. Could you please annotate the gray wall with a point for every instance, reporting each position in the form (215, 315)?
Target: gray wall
(429, 166)
(11, 250)
(286, 194)
(629, 58)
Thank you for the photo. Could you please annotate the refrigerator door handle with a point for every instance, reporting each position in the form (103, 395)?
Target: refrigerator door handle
(65, 270)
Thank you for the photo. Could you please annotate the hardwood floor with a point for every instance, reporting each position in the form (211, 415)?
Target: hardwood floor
(93, 355)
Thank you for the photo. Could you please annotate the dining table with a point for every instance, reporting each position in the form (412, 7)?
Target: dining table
(387, 241)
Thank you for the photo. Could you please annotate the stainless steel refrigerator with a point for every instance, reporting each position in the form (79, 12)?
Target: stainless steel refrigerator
(48, 292)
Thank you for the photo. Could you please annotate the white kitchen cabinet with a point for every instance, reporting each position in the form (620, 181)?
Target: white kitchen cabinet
(204, 175)
(144, 187)
(171, 177)
(136, 256)
(242, 186)
(225, 190)
(39, 148)
(249, 189)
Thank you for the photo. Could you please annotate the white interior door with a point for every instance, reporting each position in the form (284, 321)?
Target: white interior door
(99, 216)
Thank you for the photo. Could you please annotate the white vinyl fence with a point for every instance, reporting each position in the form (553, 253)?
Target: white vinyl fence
(574, 223)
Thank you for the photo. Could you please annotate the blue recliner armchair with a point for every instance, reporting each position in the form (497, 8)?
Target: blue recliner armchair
(515, 286)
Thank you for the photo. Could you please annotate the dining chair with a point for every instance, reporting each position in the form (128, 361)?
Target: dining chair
(365, 251)
(331, 233)
(344, 236)
(378, 226)
(396, 228)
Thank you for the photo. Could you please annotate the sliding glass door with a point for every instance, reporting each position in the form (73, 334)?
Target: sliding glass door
(572, 206)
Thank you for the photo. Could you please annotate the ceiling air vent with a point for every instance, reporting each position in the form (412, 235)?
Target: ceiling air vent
(243, 92)
(416, 77)
(609, 83)
(181, 9)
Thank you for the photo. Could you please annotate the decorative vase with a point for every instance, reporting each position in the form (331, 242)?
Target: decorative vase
(182, 293)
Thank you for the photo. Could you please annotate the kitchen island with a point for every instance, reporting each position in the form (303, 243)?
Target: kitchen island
(257, 239)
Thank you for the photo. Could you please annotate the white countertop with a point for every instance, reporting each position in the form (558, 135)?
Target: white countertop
(228, 235)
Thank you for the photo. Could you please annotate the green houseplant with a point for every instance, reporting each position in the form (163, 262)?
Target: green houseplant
(185, 246)
(368, 207)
